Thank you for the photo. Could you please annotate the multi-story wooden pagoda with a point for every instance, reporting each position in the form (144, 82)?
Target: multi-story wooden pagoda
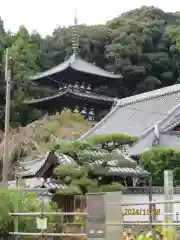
(77, 85)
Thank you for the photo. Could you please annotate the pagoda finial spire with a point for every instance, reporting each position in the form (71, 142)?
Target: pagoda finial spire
(75, 35)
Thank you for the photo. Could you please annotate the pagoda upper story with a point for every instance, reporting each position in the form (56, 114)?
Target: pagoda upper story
(77, 71)
(77, 84)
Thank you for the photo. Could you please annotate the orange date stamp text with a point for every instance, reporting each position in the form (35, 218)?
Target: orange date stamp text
(141, 211)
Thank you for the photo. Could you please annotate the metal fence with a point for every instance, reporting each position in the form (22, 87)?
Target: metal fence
(49, 228)
(104, 218)
(43, 230)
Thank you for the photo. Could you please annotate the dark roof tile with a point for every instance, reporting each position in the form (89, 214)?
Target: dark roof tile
(69, 92)
(77, 64)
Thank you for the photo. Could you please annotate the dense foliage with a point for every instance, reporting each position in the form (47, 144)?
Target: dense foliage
(13, 200)
(159, 159)
(106, 142)
(143, 44)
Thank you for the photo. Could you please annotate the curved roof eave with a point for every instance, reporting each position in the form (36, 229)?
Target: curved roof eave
(83, 66)
(70, 92)
(106, 74)
(59, 68)
(45, 98)
(77, 64)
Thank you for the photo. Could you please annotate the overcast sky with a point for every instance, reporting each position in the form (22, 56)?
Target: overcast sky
(45, 15)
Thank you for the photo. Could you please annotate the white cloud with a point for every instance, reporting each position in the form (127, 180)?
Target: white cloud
(44, 15)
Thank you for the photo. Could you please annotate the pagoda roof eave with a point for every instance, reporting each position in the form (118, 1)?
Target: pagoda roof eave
(89, 68)
(33, 101)
(77, 64)
(69, 92)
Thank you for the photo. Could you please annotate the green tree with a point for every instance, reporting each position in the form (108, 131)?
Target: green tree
(107, 142)
(111, 141)
(24, 52)
(91, 162)
(159, 159)
(84, 178)
(175, 34)
(26, 203)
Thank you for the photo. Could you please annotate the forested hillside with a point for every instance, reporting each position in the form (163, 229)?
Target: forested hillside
(142, 44)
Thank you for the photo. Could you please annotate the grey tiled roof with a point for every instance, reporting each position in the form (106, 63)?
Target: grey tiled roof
(136, 114)
(54, 184)
(121, 171)
(115, 159)
(64, 159)
(29, 183)
(170, 140)
(39, 183)
(30, 168)
(77, 64)
(123, 166)
(145, 144)
(166, 139)
(71, 93)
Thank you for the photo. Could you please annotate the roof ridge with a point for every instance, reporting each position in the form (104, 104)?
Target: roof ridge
(72, 59)
(149, 95)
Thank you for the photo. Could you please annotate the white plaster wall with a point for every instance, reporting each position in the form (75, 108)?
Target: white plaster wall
(137, 198)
